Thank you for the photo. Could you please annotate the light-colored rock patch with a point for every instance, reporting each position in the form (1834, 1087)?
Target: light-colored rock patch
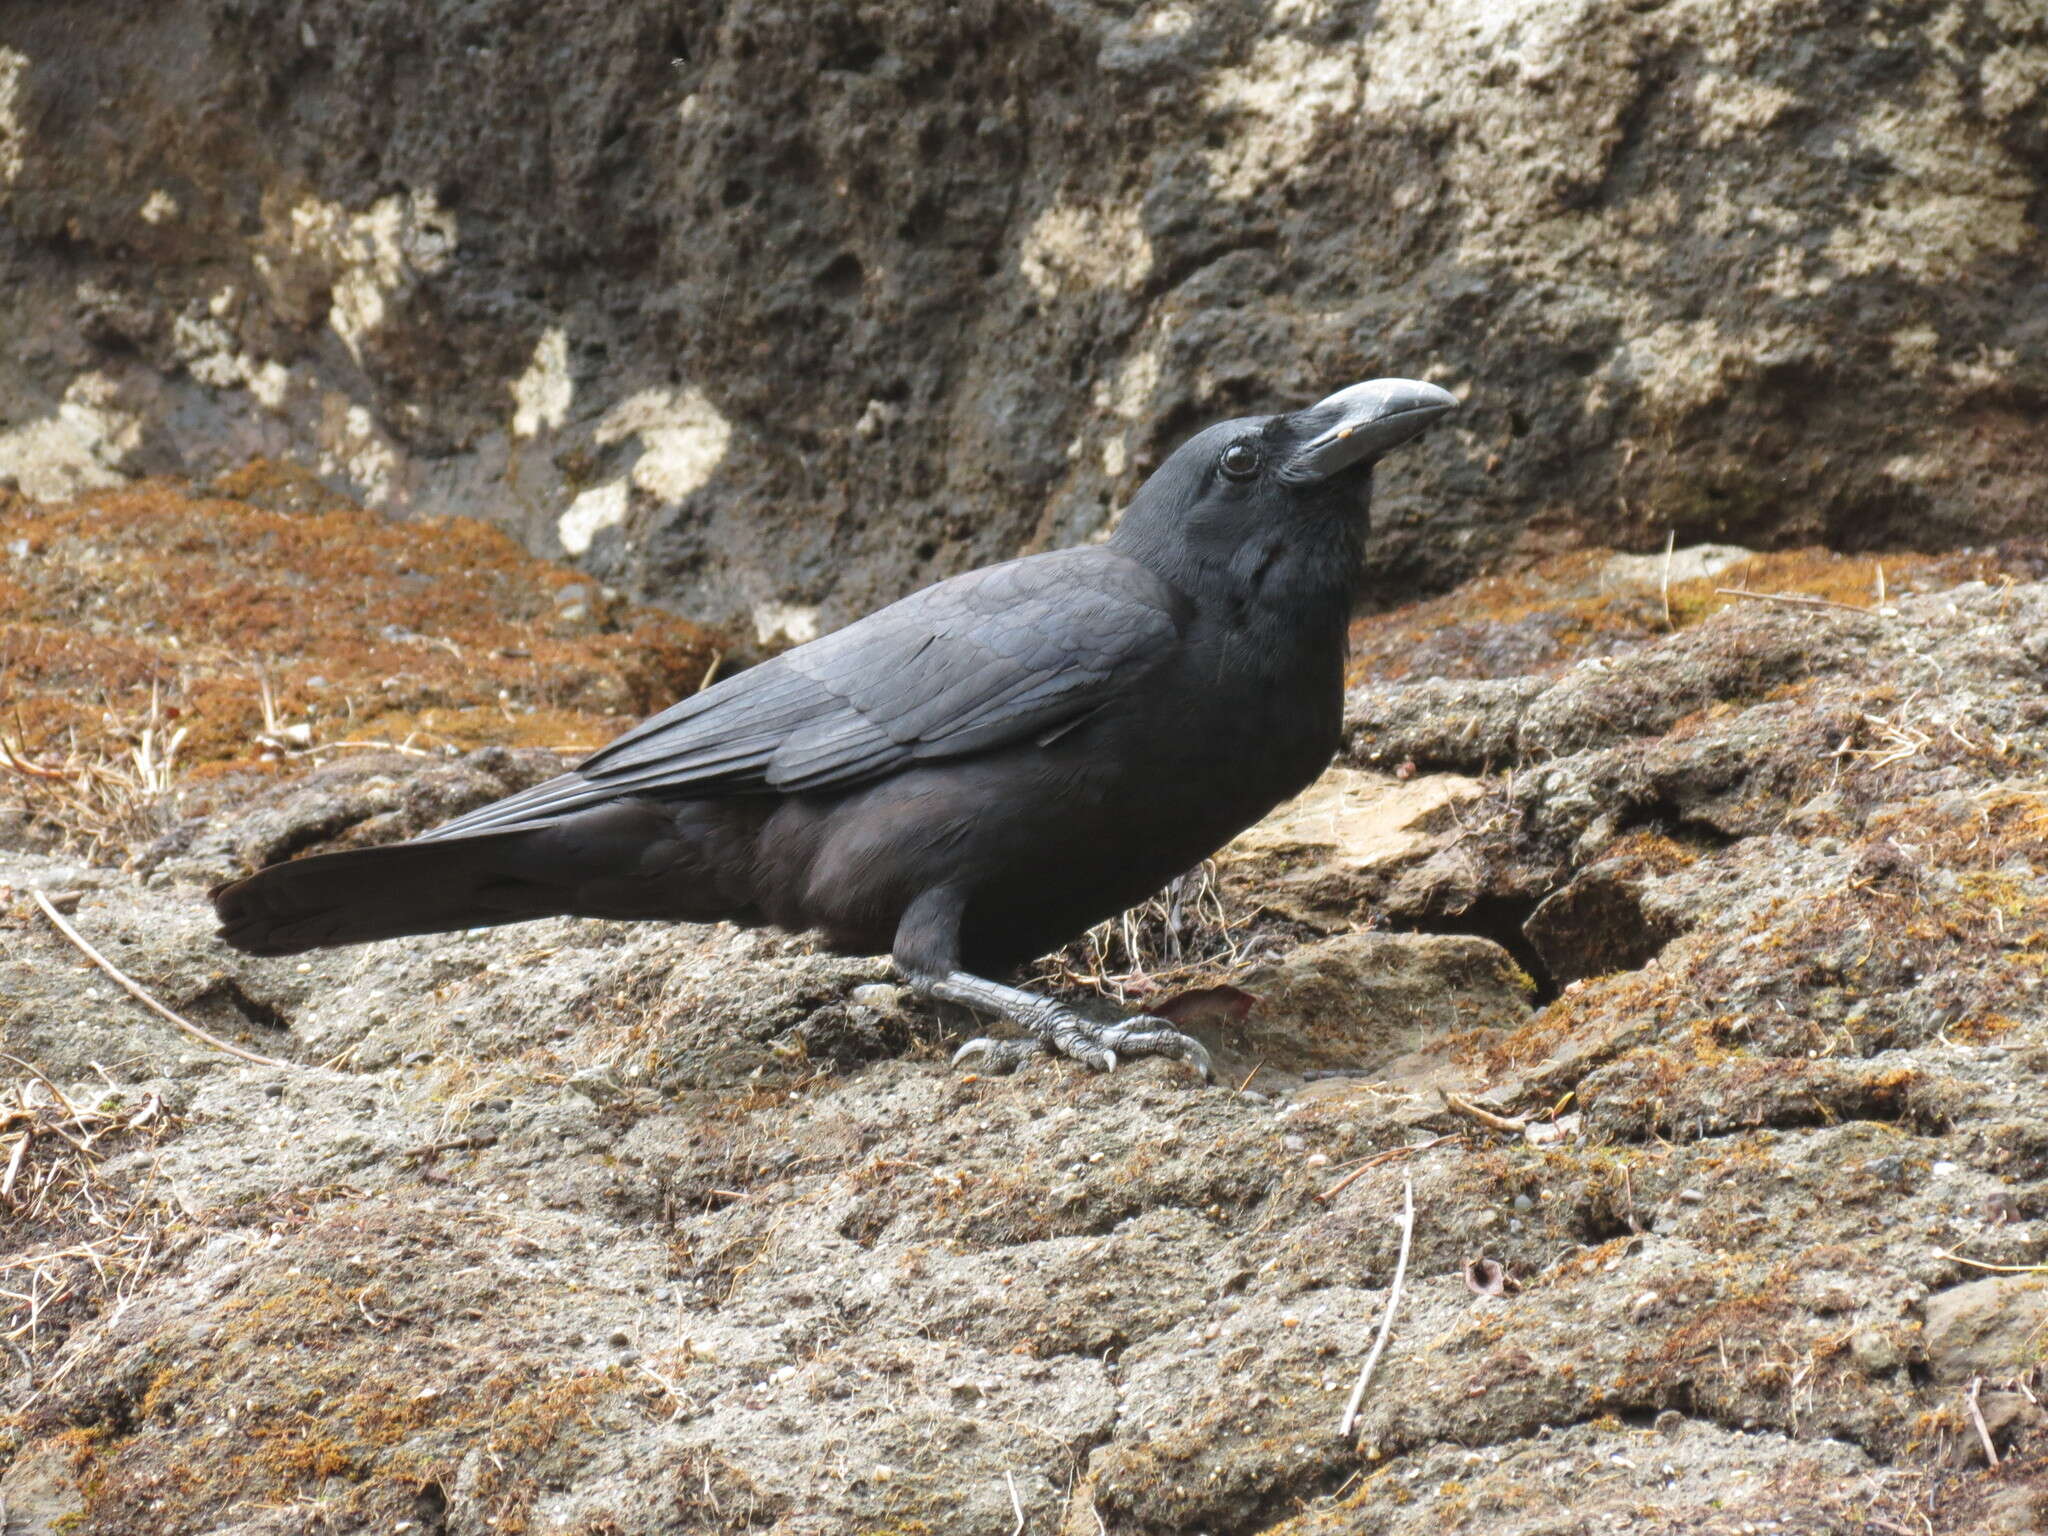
(1072, 246)
(352, 445)
(793, 622)
(1956, 197)
(1279, 100)
(682, 439)
(370, 257)
(599, 508)
(541, 396)
(79, 448)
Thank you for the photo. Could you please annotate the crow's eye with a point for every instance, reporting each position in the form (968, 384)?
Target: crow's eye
(1240, 461)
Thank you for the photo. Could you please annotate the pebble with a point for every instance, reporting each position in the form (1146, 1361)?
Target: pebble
(1524, 1203)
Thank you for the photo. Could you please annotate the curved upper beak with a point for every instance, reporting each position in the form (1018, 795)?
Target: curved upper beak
(1357, 425)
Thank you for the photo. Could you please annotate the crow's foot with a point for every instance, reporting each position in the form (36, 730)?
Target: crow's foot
(1093, 1045)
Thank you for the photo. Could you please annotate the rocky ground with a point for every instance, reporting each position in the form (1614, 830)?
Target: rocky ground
(1723, 919)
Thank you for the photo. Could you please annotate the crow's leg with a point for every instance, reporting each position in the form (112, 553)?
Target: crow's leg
(926, 951)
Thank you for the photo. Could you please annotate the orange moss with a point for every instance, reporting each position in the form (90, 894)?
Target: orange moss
(1561, 608)
(440, 632)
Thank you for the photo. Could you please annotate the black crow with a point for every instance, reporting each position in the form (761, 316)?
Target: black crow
(967, 778)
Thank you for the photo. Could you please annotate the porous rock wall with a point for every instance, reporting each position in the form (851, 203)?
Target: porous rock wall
(770, 311)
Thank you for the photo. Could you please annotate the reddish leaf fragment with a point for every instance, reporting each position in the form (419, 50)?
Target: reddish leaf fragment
(1206, 1005)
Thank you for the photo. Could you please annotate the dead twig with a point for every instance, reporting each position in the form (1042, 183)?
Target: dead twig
(1513, 1125)
(2003, 1269)
(1386, 1317)
(134, 990)
(1794, 599)
(453, 1144)
(1016, 1503)
(1977, 1418)
(1380, 1158)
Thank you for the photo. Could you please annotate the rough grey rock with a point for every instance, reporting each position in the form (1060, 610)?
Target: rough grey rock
(1990, 1327)
(771, 312)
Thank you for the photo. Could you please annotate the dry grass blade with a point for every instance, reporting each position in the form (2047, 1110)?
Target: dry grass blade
(1977, 1418)
(134, 990)
(1795, 600)
(1180, 937)
(74, 1237)
(102, 805)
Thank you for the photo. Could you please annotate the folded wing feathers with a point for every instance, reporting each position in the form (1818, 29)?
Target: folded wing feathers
(992, 657)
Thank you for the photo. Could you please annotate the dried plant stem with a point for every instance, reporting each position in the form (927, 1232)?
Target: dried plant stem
(1512, 1125)
(2002, 1269)
(1977, 1418)
(1378, 1158)
(1795, 599)
(134, 990)
(1386, 1317)
(1664, 585)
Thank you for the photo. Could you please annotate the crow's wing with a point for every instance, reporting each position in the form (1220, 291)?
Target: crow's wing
(1005, 654)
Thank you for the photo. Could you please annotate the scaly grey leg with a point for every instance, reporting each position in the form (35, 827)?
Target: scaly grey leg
(1056, 1028)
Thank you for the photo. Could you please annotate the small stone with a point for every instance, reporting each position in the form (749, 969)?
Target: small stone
(619, 1339)
(1877, 1354)
(1524, 1204)
(1294, 1143)
(878, 995)
(594, 1084)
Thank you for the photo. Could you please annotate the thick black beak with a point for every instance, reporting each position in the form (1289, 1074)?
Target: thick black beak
(1359, 424)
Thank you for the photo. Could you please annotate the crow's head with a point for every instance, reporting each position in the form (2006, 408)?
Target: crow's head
(1240, 488)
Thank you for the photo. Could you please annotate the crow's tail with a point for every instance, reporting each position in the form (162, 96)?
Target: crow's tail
(381, 893)
(627, 859)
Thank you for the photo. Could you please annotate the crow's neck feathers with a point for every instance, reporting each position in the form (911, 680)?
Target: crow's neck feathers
(1291, 564)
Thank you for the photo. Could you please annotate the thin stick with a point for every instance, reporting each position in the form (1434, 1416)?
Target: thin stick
(1387, 1156)
(1977, 1418)
(1386, 1317)
(1797, 599)
(453, 1144)
(1513, 1125)
(136, 992)
(1017, 1504)
(2003, 1269)
(1664, 586)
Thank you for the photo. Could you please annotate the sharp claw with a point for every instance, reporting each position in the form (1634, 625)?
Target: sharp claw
(1156, 1037)
(998, 1058)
